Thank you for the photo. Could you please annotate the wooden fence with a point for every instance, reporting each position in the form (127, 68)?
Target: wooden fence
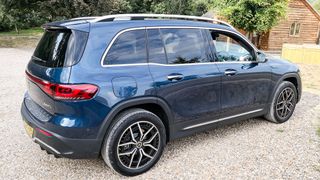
(307, 53)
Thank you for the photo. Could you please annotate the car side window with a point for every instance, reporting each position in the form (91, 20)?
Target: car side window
(155, 47)
(229, 48)
(184, 45)
(128, 48)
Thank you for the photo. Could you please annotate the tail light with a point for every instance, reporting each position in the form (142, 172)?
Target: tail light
(65, 91)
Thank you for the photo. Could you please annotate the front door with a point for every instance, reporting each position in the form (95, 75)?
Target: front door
(246, 85)
(184, 74)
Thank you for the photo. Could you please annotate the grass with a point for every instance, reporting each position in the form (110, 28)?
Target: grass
(318, 131)
(24, 32)
(280, 130)
(26, 38)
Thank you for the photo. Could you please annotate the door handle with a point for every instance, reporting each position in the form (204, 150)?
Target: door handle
(230, 72)
(175, 77)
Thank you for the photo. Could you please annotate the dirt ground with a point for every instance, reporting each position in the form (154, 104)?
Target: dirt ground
(251, 149)
(310, 77)
(19, 41)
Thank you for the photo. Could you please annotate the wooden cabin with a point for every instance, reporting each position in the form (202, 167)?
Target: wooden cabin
(301, 26)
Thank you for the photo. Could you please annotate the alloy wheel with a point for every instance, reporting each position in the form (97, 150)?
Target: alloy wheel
(138, 145)
(285, 102)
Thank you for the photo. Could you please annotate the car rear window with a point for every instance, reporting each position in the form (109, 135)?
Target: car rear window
(60, 48)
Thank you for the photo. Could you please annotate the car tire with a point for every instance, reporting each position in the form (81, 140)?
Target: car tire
(134, 143)
(283, 103)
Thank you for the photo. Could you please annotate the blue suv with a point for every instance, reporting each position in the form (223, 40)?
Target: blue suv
(122, 86)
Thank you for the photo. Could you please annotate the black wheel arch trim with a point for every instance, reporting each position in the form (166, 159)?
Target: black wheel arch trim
(131, 103)
(286, 76)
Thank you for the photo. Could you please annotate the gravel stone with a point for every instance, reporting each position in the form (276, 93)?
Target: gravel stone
(251, 149)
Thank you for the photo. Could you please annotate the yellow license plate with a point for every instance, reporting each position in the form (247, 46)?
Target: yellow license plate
(29, 129)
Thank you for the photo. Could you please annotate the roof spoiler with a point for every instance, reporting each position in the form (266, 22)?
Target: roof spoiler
(73, 24)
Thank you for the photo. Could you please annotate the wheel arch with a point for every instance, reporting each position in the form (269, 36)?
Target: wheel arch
(152, 104)
(295, 79)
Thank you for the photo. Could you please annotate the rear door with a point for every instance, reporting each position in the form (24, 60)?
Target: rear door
(53, 57)
(184, 75)
(245, 83)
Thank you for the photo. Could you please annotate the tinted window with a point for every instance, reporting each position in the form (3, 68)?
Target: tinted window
(128, 48)
(52, 47)
(156, 49)
(184, 46)
(229, 48)
(59, 48)
(76, 45)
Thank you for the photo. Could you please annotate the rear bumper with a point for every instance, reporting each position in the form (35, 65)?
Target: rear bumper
(58, 145)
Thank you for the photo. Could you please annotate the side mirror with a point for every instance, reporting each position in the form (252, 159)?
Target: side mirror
(247, 57)
(261, 57)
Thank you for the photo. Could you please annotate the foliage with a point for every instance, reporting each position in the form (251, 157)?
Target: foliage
(31, 13)
(178, 6)
(200, 7)
(253, 15)
(316, 5)
(4, 22)
(257, 16)
(65, 9)
(142, 6)
(187, 7)
(20, 13)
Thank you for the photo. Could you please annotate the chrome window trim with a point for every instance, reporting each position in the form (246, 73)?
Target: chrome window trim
(111, 43)
(188, 64)
(221, 119)
(171, 27)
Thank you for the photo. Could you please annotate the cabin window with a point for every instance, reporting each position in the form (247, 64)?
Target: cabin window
(295, 29)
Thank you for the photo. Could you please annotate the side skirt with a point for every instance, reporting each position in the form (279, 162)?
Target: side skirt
(186, 129)
(222, 119)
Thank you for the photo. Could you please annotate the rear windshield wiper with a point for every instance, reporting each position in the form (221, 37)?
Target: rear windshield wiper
(38, 59)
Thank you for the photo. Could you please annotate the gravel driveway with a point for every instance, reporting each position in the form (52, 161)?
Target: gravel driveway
(249, 149)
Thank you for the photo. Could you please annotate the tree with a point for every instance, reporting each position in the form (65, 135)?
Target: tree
(142, 6)
(253, 15)
(200, 7)
(4, 21)
(66, 9)
(30, 13)
(178, 6)
(21, 13)
(185, 7)
(316, 5)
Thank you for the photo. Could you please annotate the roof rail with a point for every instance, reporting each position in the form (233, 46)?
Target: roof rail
(86, 18)
(157, 16)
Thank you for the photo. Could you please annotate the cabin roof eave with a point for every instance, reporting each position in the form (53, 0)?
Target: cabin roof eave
(309, 6)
